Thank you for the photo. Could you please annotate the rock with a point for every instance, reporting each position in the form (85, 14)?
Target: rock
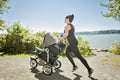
(100, 50)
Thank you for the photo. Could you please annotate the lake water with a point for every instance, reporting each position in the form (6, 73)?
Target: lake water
(101, 41)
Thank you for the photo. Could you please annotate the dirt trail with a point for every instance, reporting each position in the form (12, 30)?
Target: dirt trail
(12, 68)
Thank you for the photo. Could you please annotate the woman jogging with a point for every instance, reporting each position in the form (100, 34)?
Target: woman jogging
(72, 47)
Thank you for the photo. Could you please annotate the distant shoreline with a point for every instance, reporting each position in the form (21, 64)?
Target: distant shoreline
(99, 32)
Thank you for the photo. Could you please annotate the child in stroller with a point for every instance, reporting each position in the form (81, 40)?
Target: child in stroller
(49, 54)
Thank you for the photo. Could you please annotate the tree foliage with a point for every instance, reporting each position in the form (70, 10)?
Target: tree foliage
(2, 27)
(15, 39)
(2, 41)
(4, 6)
(113, 7)
(20, 40)
(84, 47)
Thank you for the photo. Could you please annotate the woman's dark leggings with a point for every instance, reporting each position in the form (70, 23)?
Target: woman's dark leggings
(74, 49)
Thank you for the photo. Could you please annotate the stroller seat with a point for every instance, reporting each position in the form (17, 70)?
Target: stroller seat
(53, 44)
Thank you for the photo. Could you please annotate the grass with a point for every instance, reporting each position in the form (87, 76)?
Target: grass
(113, 61)
(1, 53)
(23, 55)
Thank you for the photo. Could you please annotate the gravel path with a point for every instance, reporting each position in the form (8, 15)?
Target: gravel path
(12, 68)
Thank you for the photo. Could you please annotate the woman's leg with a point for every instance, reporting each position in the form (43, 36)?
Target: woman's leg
(75, 50)
(68, 51)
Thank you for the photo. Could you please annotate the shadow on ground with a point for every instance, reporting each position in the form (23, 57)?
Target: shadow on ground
(92, 78)
(78, 77)
(55, 76)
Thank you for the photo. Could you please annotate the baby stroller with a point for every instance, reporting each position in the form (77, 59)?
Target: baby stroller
(48, 55)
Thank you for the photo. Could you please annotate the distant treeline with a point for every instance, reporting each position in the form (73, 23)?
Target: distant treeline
(100, 32)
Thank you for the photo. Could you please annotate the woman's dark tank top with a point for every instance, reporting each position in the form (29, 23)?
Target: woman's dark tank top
(71, 36)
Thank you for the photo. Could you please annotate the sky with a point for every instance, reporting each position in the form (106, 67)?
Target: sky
(49, 15)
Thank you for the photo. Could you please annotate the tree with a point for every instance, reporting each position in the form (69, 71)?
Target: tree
(20, 40)
(2, 41)
(2, 25)
(4, 6)
(113, 7)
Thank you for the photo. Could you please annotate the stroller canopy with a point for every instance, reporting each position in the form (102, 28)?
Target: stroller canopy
(50, 39)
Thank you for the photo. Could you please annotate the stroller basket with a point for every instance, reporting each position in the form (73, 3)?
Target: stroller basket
(43, 56)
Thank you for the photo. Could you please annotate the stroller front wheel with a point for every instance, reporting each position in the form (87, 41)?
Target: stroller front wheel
(33, 63)
(47, 69)
(57, 64)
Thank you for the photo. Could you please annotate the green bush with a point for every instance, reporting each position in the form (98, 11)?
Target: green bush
(20, 40)
(2, 41)
(115, 47)
(38, 39)
(83, 47)
(15, 39)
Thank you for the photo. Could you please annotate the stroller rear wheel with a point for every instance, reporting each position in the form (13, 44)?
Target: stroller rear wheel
(47, 69)
(33, 63)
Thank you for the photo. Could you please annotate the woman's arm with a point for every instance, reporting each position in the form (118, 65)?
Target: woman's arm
(67, 28)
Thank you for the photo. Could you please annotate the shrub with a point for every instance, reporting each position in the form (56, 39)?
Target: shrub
(38, 38)
(16, 39)
(2, 41)
(83, 47)
(20, 40)
(115, 47)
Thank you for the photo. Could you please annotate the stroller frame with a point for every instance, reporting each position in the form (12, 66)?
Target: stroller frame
(47, 66)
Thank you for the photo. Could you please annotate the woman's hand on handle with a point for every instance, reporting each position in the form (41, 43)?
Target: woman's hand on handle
(61, 38)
